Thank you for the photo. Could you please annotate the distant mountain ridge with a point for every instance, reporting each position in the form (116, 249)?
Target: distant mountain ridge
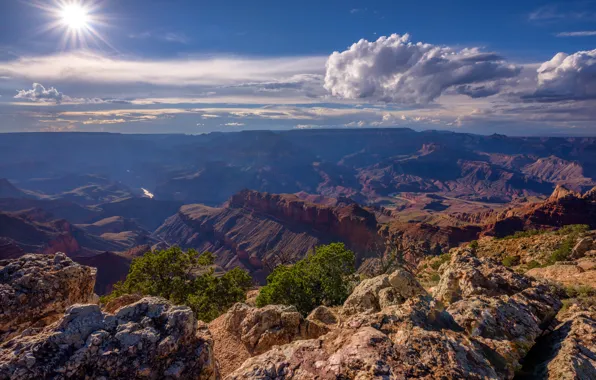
(365, 164)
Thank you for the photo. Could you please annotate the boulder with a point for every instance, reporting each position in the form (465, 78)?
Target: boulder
(373, 294)
(466, 275)
(569, 351)
(147, 339)
(583, 245)
(262, 328)
(323, 315)
(35, 290)
(365, 297)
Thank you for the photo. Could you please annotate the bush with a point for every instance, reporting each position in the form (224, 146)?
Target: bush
(474, 244)
(436, 264)
(575, 229)
(533, 264)
(185, 278)
(581, 291)
(321, 278)
(563, 251)
(435, 278)
(510, 261)
(522, 234)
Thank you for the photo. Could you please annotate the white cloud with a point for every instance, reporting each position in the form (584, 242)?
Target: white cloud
(393, 69)
(233, 124)
(567, 77)
(583, 33)
(94, 68)
(40, 94)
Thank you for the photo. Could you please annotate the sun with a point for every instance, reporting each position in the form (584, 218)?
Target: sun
(74, 16)
(78, 22)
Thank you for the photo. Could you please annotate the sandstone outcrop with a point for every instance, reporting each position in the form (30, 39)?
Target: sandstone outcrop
(35, 290)
(569, 351)
(262, 328)
(373, 294)
(147, 339)
(245, 331)
(467, 275)
(563, 207)
(493, 319)
(258, 231)
(568, 274)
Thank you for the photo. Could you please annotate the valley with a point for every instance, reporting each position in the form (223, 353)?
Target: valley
(259, 199)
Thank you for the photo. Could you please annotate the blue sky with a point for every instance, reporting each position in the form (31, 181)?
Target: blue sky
(198, 66)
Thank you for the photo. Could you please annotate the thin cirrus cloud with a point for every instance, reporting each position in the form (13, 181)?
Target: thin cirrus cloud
(395, 70)
(551, 13)
(177, 37)
(94, 68)
(584, 33)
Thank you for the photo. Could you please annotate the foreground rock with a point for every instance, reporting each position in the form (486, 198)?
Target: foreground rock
(492, 320)
(569, 351)
(261, 329)
(35, 290)
(147, 339)
(373, 294)
(245, 331)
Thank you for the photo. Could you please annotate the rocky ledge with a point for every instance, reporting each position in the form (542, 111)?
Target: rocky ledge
(147, 339)
(35, 290)
(480, 322)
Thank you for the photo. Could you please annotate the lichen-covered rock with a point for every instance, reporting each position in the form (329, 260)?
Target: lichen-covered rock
(323, 315)
(576, 355)
(148, 339)
(466, 275)
(262, 328)
(404, 341)
(493, 318)
(373, 294)
(35, 290)
(569, 351)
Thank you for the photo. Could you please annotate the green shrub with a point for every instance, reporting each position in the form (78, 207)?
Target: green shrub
(575, 229)
(474, 244)
(435, 278)
(185, 278)
(436, 263)
(511, 261)
(321, 278)
(563, 251)
(533, 264)
(581, 291)
(522, 234)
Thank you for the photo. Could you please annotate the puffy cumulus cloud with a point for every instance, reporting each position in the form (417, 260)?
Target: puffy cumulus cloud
(567, 77)
(393, 69)
(40, 94)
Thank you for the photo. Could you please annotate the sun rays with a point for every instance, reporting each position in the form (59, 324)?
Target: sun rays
(76, 21)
